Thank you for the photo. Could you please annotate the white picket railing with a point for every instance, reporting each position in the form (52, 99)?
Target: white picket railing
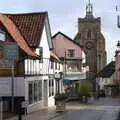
(75, 75)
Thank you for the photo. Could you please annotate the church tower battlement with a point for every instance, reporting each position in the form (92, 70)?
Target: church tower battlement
(89, 35)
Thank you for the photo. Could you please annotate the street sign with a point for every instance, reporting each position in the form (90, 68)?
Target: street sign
(57, 75)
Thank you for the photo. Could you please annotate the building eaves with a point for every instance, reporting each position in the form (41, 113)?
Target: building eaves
(67, 38)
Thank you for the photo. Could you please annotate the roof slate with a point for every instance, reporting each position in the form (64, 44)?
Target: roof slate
(12, 29)
(30, 26)
(107, 71)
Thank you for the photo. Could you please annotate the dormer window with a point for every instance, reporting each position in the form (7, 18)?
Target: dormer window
(2, 35)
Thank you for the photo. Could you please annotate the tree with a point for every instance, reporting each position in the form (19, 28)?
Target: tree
(84, 89)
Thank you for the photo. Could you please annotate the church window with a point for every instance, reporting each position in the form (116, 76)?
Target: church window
(89, 34)
(79, 36)
(99, 61)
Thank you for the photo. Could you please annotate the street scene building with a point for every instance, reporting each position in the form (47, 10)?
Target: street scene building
(117, 67)
(50, 71)
(74, 60)
(91, 38)
(106, 80)
(32, 78)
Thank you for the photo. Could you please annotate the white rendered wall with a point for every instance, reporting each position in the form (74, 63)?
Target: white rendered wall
(5, 86)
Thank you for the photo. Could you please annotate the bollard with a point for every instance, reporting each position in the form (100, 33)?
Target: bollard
(19, 117)
(20, 112)
(1, 109)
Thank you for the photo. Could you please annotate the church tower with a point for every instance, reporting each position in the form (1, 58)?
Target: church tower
(90, 37)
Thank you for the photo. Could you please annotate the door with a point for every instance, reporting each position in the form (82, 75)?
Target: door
(45, 93)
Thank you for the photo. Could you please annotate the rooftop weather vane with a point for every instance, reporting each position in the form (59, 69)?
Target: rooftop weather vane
(89, 10)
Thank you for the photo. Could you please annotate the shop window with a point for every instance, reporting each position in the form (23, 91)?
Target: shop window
(51, 88)
(34, 91)
(30, 93)
(50, 94)
(39, 90)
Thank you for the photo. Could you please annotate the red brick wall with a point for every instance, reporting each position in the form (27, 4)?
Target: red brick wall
(19, 65)
(117, 68)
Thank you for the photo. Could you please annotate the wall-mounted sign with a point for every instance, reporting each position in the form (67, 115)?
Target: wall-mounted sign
(58, 75)
(5, 64)
(10, 51)
(5, 87)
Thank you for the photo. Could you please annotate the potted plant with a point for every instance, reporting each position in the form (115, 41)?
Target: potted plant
(60, 99)
(84, 90)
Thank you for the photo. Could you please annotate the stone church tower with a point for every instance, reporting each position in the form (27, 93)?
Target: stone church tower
(90, 37)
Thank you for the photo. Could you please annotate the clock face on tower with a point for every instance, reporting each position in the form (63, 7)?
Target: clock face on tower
(89, 45)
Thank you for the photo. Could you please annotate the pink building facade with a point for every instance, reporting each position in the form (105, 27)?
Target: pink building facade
(62, 44)
(69, 51)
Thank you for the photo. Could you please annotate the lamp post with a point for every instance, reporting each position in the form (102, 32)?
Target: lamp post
(65, 62)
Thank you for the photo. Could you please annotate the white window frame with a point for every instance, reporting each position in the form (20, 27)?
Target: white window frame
(70, 53)
(2, 35)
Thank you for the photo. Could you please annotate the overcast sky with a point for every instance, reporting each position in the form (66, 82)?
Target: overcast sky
(63, 16)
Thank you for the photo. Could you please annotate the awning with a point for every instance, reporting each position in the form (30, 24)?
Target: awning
(65, 81)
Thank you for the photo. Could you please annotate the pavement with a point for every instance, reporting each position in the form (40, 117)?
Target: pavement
(42, 114)
(50, 112)
(101, 109)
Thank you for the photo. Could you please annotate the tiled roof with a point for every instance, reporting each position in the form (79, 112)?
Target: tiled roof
(73, 41)
(12, 29)
(30, 26)
(107, 71)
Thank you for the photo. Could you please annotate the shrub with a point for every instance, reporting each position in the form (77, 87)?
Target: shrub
(84, 88)
(60, 96)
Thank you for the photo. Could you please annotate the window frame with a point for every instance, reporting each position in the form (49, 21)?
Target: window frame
(69, 52)
(36, 93)
(2, 33)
